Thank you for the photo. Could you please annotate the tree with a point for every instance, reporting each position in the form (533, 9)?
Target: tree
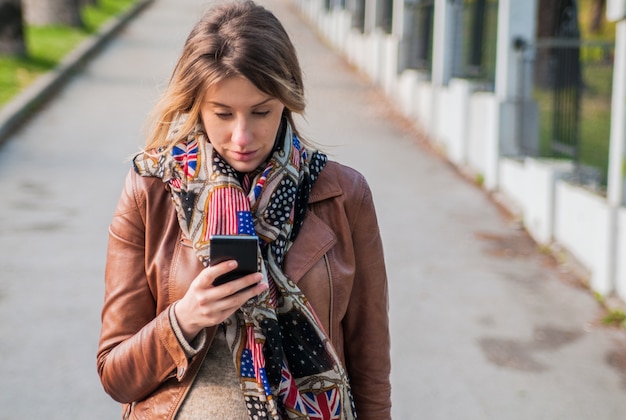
(11, 28)
(557, 19)
(53, 12)
(597, 16)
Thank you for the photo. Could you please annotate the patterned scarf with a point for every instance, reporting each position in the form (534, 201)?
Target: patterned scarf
(287, 366)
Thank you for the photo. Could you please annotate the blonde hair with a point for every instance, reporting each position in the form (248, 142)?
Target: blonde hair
(232, 39)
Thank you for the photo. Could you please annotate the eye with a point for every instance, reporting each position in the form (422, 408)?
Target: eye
(260, 113)
(223, 115)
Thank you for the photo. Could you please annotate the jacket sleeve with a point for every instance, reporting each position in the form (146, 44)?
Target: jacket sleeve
(138, 348)
(366, 323)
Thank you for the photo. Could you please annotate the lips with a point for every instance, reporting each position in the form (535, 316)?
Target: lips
(243, 156)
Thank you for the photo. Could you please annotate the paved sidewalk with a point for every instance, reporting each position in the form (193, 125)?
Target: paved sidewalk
(484, 326)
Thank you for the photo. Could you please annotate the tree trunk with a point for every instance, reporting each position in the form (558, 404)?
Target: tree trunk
(547, 12)
(53, 12)
(597, 16)
(557, 19)
(11, 28)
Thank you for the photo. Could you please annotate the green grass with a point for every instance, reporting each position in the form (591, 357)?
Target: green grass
(607, 31)
(48, 45)
(94, 17)
(594, 126)
(595, 111)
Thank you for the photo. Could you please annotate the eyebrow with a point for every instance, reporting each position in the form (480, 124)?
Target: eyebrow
(253, 106)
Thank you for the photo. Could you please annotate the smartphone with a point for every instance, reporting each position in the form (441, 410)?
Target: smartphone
(243, 249)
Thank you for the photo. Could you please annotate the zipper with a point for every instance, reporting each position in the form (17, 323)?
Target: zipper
(331, 293)
(186, 242)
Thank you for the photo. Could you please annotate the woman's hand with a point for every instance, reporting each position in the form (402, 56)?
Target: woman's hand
(205, 305)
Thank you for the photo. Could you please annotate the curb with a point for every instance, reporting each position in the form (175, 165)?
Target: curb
(18, 110)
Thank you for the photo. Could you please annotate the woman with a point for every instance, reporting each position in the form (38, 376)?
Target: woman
(305, 337)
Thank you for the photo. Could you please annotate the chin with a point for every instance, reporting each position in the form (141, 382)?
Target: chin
(245, 167)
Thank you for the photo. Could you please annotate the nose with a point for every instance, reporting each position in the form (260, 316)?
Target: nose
(241, 135)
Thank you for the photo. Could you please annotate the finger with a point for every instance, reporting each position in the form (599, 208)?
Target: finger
(233, 302)
(240, 284)
(209, 274)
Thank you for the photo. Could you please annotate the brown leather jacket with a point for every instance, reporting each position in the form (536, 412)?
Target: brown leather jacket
(336, 260)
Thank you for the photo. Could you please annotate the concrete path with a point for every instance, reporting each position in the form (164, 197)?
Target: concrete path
(483, 325)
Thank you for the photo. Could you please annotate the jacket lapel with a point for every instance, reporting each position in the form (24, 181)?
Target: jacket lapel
(313, 241)
(315, 238)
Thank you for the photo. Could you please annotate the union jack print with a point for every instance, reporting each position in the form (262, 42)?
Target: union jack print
(323, 406)
(261, 182)
(186, 154)
(212, 199)
(289, 392)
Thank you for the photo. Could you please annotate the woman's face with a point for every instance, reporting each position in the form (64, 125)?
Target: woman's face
(241, 122)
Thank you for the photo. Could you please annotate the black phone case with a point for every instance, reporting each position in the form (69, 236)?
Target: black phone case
(243, 249)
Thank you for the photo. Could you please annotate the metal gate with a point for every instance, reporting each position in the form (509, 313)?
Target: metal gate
(557, 70)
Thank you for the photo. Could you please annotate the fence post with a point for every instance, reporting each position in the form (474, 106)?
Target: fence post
(616, 11)
(443, 42)
(516, 23)
(370, 16)
(616, 185)
(442, 58)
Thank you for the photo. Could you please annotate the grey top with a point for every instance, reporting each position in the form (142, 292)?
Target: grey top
(215, 392)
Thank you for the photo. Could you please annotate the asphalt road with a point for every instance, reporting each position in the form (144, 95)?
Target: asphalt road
(483, 325)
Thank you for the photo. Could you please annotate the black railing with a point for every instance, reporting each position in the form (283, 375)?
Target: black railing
(572, 87)
(419, 46)
(564, 80)
(476, 41)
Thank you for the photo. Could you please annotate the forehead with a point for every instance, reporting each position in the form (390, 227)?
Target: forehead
(236, 91)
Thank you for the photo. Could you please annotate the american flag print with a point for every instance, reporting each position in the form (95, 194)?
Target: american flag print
(246, 369)
(222, 211)
(325, 405)
(186, 154)
(279, 375)
(256, 349)
(175, 183)
(245, 223)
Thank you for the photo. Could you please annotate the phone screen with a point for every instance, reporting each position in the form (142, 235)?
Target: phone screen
(243, 249)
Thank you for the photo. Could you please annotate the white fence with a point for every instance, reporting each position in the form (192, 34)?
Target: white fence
(476, 130)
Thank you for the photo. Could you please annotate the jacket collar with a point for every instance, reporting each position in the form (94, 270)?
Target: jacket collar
(326, 185)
